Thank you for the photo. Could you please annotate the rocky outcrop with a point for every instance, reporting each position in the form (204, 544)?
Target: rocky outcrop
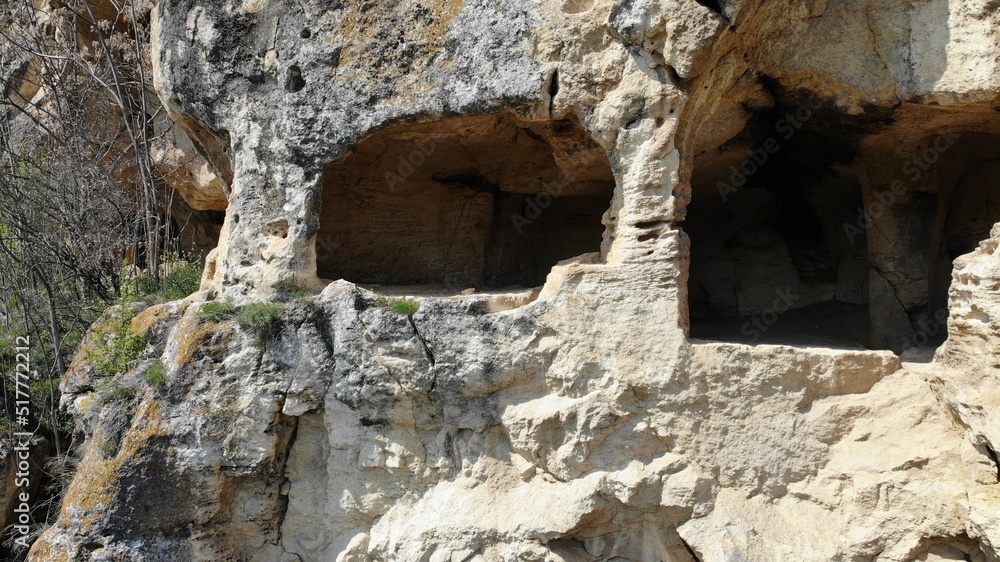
(353, 432)
(791, 180)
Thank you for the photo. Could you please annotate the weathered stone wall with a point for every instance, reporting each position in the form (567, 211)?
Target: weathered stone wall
(578, 421)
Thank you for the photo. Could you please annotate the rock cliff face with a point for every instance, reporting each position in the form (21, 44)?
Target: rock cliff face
(742, 367)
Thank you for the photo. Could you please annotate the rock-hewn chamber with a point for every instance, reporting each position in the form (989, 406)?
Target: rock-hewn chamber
(584, 424)
(481, 202)
(851, 223)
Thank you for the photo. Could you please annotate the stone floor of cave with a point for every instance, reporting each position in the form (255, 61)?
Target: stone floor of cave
(445, 291)
(830, 324)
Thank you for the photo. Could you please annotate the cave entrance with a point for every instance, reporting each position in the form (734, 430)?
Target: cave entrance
(940, 203)
(771, 261)
(484, 202)
(838, 233)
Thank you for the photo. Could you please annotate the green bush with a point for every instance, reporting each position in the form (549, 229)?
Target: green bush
(40, 391)
(73, 339)
(123, 393)
(7, 425)
(179, 277)
(136, 289)
(182, 278)
(299, 294)
(118, 348)
(156, 374)
(216, 311)
(405, 306)
(259, 316)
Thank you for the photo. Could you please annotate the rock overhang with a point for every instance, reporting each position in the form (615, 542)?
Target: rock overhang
(592, 391)
(353, 78)
(314, 81)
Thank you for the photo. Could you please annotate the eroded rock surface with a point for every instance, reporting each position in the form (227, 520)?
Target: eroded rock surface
(829, 159)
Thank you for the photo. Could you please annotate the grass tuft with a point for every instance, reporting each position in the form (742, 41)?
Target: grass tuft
(216, 311)
(405, 306)
(119, 349)
(114, 391)
(156, 374)
(180, 277)
(259, 316)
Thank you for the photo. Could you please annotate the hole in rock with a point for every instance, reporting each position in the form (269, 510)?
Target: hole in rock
(196, 232)
(485, 202)
(790, 246)
(770, 260)
(717, 6)
(278, 228)
(294, 82)
(553, 86)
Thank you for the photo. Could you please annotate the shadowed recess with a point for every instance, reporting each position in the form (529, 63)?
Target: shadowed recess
(471, 202)
(838, 232)
(770, 260)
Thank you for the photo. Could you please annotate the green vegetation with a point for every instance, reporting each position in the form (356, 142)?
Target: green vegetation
(115, 397)
(406, 306)
(109, 447)
(86, 216)
(122, 393)
(299, 294)
(179, 277)
(156, 374)
(403, 305)
(118, 348)
(216, 311)
(182, 278)
(41, 390)
(259, 316)
(7, 425)
(73, 340)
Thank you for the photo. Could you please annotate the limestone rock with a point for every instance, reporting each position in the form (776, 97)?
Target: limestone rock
(457, 393)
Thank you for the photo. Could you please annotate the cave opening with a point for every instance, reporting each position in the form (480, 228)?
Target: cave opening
(953, 201)
(771, 260)
(838, 233)
(487, 202)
